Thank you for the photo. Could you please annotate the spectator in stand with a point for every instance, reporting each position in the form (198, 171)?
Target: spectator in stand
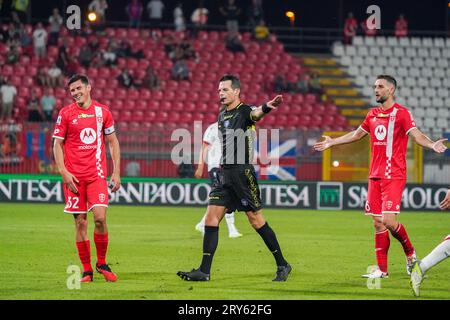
(55, 76)
(26, 43)
(233, 43)
(231, 12)
(261, 32)
(34, 109)
(42, 77)
(302, 85)
(187, 51)
(85, 57)
(199, 18)
(99, 7)
(255, 13)
(13, 54)
(55, 22)
(109, 56)
(63, 57)
(178, 18)
(155, 10)
(401, 27)
(126, 79)
(4, 33)
(125, 51)
(369, 32)
(134, 10)
(40, 41)
(151, 80)
(15, 32)
(8, 94)
(350, 27)
(20, 8)
(48, 104)
(314, 84)
(180, 70)
(280, 84)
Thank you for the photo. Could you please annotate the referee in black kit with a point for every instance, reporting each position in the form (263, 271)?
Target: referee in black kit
(239, 189)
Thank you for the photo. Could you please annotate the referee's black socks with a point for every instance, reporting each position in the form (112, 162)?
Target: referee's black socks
(270, 239)
(210, 241)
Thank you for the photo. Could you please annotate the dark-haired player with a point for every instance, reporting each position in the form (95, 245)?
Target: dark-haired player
(80, 133)
(389, 126)
(239, 189)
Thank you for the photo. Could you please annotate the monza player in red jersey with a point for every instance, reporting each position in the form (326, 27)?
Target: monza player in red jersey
(389, 126)
(79, 148)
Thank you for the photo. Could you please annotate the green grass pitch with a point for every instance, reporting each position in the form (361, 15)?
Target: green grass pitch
(329, 250)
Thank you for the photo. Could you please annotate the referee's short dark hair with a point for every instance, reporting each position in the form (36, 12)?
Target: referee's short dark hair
(84, 79)
(388, 78)
(235, 82)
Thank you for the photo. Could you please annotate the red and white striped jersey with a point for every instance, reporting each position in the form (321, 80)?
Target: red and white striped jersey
(83, 132)
(388, 131)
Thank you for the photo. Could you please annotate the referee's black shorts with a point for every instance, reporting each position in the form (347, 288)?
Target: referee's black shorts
(239, 189)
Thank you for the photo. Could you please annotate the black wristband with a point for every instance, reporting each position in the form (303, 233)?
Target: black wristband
(265, 108)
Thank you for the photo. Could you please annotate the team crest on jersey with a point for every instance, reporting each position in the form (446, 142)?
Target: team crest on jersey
(84, 116)
(244, 202)
(226, 123)
(389, 205)
(101, 197)
(75, 121)
(100, 120)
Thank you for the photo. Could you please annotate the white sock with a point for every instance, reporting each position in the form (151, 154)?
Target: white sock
(229, 217)
(440, 253)
(202, 222)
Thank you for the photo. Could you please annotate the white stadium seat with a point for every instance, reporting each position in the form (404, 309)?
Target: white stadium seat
(374, 51)
(429, 91)
(350, 50)
(358, 61)
(380, 41)
(362, 51)
(443, 93)
(405, 42)
(399, 52)
(416, 42)
(424, 102)
(439, 42)
(406, 62)
(370, 61)
(411, 52)
(358, 41)
(422, 53)
(427, 42)
(437, 102)
(443, 63)
(392, 41)
(338, 49)
(346, 61)
(444, 112)
(442, 123)
(435, 53)
(418, 62)
(369, 41)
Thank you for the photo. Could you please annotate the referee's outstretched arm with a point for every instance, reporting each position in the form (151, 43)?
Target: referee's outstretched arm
(259, 113)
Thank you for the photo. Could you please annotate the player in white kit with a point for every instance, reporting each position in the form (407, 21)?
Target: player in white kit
(440, 253)
(211, 152)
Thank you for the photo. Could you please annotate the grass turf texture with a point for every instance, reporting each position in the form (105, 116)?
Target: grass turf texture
(328, 251)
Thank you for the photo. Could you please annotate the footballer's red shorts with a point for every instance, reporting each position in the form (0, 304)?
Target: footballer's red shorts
(91, 193)
(384, 196)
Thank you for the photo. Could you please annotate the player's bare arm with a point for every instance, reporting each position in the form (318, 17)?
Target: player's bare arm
(422, 140)
(350, 137)
(261, 111)
(445, 204)
(114, 149)
(201, 160)
(69, 179)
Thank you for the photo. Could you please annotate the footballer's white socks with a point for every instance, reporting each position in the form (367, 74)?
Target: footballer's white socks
(440, 253)
(229, 217)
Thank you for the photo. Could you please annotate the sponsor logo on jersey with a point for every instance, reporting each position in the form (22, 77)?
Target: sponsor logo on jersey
(382, 115)
(56, 131)
(84, 116)
(88, 135)
(228, 117)
(58, 121)
(380, 132)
